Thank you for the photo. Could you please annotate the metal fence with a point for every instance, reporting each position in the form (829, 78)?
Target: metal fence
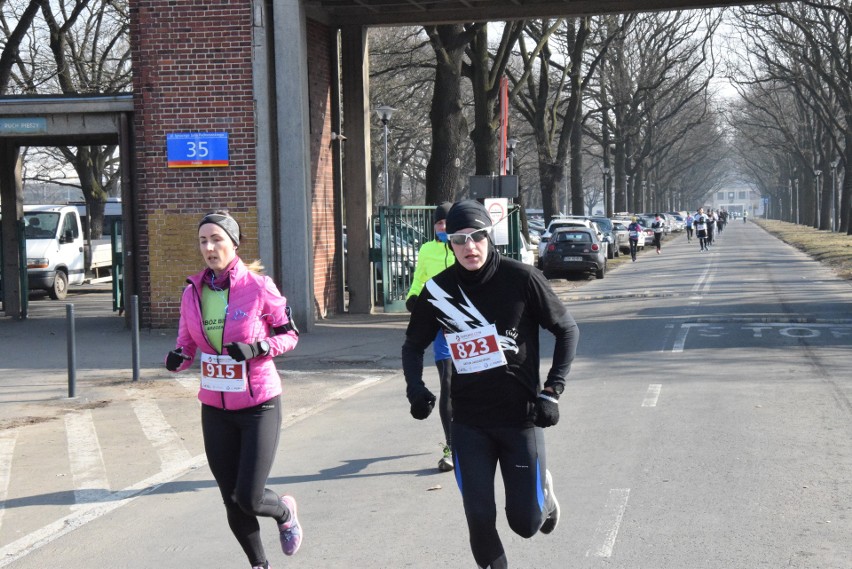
(398, 233)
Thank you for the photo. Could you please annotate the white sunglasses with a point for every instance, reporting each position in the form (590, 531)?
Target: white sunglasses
(475, 236)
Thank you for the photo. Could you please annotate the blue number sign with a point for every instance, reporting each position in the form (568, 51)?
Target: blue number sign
(197, 149)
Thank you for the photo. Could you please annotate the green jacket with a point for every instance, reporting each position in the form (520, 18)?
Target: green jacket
(432, 258)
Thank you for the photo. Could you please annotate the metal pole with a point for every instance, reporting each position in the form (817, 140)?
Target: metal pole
(385, 123)
(833, 185)
(134, 334)
(72, 351)
(797, 201)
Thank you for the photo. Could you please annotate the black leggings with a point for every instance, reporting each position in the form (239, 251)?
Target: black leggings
(445, 405)
(520, 452)
(240, 447)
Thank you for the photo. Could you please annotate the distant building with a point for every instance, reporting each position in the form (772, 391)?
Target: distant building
(737, 199)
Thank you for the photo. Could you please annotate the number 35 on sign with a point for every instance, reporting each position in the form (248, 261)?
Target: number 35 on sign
(197, 149)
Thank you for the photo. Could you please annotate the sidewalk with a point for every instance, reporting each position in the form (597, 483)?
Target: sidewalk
(34, 379)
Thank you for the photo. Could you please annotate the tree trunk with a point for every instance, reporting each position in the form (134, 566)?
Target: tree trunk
(448, 122)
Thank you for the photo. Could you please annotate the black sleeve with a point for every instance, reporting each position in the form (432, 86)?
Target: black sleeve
(422, 328)
(553, 317)
(567, 334)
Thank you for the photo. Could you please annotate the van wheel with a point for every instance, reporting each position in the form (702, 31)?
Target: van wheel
(60, 286)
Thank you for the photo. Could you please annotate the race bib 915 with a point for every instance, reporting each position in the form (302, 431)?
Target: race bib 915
(223, 373)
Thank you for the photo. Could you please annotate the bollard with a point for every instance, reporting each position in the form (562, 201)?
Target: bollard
(72, 351)
(134, 325)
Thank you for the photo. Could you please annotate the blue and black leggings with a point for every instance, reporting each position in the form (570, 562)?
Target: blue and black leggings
(520, 453)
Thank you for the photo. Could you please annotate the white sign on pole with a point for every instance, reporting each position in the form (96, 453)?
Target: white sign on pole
(498, 210)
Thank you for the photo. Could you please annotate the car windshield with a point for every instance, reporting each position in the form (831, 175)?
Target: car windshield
(605, 223)
(40, 225)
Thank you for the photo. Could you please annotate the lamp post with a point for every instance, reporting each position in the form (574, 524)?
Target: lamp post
(385, 113)
(609, 208)
(834, 222)
(817, 174)
(627, 191)
(796, 182)
(510, 144)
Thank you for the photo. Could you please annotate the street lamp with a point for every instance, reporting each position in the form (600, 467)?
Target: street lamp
(510, 144)
(627, 191)
(796, 182)
(834, 222)
(607, 197)
(817, 174)
(385, 113)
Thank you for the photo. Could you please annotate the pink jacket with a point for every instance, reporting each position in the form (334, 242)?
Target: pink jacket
(255, 307)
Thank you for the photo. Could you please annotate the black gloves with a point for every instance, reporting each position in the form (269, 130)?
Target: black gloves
(410, 302)
(175, 359)
(546, 412)
(422, 404)
(241, 352)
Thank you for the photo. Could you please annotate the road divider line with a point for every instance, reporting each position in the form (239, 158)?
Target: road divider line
(606, 531)
(88, 470)
(652, 395)
(7, 451)
(680, 340)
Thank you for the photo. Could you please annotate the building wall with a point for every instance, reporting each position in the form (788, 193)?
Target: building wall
(192, 72)
(323, 205)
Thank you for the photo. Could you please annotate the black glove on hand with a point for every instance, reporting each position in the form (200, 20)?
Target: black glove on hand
(241, 352)
(175, 359)
(422, 404)
(546, 412)
(410, 302)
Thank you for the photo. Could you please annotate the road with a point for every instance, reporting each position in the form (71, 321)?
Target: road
(706, 424)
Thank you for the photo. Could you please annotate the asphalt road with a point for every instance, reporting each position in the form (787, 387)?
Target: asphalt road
(706, 425)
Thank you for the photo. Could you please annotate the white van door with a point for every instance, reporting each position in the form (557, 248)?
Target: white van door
(71, 247)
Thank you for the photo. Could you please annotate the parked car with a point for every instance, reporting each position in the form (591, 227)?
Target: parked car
(605, 225)
(622, 237)
(569, 221)
(647, 234)
(678, 221)
(573, 250)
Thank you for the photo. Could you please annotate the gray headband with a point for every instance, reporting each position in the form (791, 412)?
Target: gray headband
(228, 224)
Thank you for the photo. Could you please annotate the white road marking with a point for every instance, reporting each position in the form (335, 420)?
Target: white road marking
(652, 395)
(681, 338)
(90, 512)
(87, 462)
(697, 287)
(170, 448)
(606, 531)
(7, 451)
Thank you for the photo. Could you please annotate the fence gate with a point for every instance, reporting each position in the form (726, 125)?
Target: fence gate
(399, 231)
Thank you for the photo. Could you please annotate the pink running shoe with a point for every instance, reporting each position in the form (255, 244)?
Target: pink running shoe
(291, 531)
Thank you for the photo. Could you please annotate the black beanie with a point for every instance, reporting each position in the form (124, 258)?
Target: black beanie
(441, 211)
(228, 224)
(467, 214)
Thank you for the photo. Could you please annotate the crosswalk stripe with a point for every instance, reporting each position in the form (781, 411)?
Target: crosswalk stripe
(87, 461)
(171, 450)
(7, 450)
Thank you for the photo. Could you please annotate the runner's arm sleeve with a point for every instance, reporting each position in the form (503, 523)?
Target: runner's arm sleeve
(281, 332)
(553, 317)
(185, 343)
(567, 334)
(418, 280)
(421, 331)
